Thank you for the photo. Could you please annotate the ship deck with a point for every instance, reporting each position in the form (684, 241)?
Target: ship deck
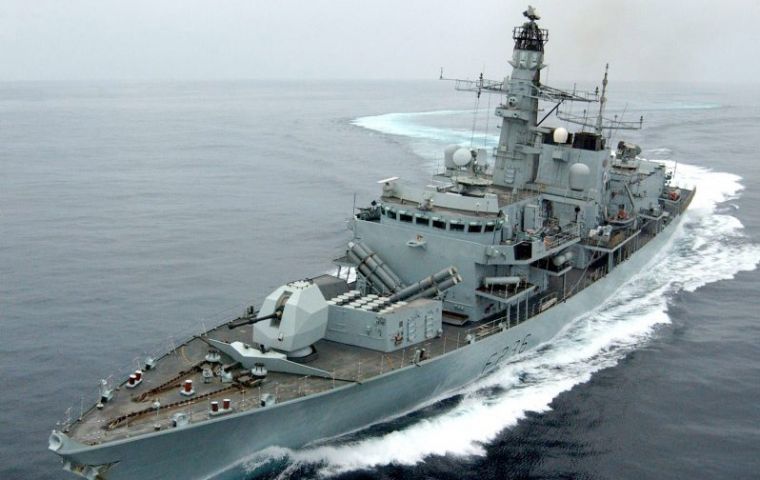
(133, 412)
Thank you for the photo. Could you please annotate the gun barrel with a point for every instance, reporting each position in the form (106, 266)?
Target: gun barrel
(250, 321)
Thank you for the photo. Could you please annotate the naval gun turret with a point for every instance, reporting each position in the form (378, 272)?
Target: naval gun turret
(297, 318)
(291, 320)
(301, 323)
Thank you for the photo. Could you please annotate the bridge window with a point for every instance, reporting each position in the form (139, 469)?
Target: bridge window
(438, 223)
(475, 228)
(422, 221)
(392, 214)
(490, 227)
(405, 217)
(456, 227)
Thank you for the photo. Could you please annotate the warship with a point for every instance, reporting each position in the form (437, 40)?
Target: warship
(437, 285)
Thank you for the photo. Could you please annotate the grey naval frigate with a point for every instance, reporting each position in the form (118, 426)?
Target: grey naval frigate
(437, 285)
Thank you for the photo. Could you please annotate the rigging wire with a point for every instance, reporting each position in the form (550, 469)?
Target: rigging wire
(474, 121)
(475, 113)
(616, 124)
(488, 118)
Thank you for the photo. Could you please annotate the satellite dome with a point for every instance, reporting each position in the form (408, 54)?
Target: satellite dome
(462, 157)
(448, 156)
(579, 176)
(560, 135)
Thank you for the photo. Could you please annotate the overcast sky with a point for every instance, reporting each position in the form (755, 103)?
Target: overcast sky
(675, 40)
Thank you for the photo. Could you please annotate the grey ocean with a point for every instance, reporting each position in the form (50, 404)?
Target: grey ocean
(134, 214)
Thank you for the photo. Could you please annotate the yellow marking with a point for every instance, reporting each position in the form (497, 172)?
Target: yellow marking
(184, 357)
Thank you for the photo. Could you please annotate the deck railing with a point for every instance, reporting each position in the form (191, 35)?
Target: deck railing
(569, 233)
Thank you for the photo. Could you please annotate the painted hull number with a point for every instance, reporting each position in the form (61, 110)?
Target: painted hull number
(497, 357)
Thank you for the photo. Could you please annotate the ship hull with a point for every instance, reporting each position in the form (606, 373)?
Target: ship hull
(209, 449)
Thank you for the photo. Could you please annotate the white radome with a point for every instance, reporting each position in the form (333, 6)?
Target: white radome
(462, 157)
(560, 135)
(580, 175)
(448, 155)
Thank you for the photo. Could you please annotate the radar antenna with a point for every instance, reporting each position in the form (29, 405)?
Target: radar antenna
(532, 14)
(540, 91)
(602, 123)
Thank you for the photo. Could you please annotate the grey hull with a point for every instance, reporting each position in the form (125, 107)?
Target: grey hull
(206, 449)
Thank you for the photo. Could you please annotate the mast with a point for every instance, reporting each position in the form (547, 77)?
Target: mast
(516, 161)
(602, 102)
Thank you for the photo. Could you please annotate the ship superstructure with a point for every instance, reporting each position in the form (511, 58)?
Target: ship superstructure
(494, 256)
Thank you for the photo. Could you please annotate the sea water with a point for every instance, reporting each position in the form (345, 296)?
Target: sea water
(135, 214)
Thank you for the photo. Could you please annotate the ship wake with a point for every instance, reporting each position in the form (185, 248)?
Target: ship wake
(709, 246)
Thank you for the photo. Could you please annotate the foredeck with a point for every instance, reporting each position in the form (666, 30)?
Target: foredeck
(133, 412)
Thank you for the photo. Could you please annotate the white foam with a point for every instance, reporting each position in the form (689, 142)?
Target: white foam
(403, 124)
(709, 246)
(427, 140)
